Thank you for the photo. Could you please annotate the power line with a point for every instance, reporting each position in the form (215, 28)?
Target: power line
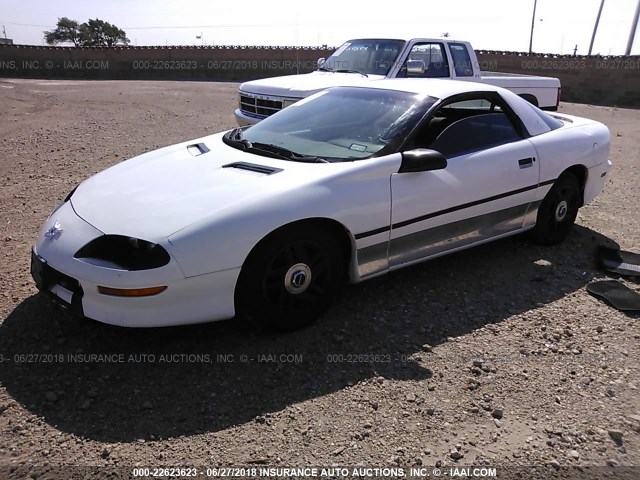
(29, 25)
(235, 25)
(230, 25)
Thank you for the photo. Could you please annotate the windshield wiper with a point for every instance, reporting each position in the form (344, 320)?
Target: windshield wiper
(325, 69)
(285, 153)
(234, 138)
(346, 70)
(236, 133)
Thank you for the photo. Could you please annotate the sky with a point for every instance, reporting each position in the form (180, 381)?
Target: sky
(560, 25)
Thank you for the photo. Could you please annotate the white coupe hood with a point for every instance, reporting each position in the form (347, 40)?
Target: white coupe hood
(161, 192)
(300, 86)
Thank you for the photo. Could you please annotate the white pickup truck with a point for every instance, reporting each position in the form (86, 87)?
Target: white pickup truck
(361, 61)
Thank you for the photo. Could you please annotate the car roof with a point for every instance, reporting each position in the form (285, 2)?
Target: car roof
(433, 87)
(441, 88)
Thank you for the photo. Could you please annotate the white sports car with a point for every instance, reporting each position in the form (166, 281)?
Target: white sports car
(347, 184)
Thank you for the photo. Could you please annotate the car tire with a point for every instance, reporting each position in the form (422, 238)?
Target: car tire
(558, 211)
(290, 278)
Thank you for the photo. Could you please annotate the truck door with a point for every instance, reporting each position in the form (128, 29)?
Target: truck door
(431, 56)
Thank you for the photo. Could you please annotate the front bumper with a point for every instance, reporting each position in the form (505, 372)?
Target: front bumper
(74, 283)
(62, 289)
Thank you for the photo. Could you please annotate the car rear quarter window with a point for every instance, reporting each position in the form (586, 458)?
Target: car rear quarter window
(551, 122)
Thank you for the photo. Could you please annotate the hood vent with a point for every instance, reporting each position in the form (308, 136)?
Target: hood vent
(252, 167)
(197, 149)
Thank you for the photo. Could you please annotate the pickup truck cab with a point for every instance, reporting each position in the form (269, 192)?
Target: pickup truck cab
(361, 61)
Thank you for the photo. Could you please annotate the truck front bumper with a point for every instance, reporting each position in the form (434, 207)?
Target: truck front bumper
(243, 119)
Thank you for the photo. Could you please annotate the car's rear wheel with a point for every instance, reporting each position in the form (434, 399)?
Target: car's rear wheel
(289, 279)
(558, 211)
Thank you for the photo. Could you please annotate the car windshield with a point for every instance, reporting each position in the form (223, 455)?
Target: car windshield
(340, 124)
(368, 57)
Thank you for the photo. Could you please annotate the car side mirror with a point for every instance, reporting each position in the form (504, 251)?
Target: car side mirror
(321, 61)
(422, 160)
(415, 67)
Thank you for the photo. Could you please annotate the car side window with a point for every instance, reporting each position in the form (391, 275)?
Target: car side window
(467, 126)
(461, 60)
(433, 58)
(474, 133)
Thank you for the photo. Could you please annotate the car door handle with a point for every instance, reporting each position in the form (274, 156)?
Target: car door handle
(526, 162)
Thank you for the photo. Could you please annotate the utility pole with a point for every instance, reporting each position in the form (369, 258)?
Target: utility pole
(632, 34)
(533, 22)
(595, 27)
(4, 32)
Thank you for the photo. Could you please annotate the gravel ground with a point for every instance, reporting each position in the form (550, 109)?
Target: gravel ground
(496, 355)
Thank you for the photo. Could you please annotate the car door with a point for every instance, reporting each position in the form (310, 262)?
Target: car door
(485, 190)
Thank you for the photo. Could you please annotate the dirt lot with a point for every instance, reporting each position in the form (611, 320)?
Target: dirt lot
(496, 355)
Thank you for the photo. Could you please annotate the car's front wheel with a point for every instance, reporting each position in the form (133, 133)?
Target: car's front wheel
(289, 279)
(558, 211)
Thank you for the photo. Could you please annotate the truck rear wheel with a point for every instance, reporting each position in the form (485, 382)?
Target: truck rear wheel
(532, 99)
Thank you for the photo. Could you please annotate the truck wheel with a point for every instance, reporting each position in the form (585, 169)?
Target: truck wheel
(558, 211)
(532, 99)
(290, 279)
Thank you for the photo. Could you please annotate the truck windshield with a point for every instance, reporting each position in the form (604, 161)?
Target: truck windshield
(340, 124)
(369, 57)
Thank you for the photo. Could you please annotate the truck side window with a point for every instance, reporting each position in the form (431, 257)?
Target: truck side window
(433, 58)
(461, 60)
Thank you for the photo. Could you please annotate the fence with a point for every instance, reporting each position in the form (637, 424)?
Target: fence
(597, 80)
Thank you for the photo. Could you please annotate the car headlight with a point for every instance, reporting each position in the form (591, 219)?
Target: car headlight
(123, 253)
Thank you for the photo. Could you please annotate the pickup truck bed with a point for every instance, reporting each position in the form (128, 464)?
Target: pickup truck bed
(541, 91)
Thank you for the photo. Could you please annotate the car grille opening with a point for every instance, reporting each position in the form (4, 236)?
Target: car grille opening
(64, 281)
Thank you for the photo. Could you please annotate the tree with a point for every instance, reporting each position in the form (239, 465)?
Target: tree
(93, 33)
(98, 33)
(66, 30)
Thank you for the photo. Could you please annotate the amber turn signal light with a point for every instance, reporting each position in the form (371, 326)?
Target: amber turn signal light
(131, 292)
